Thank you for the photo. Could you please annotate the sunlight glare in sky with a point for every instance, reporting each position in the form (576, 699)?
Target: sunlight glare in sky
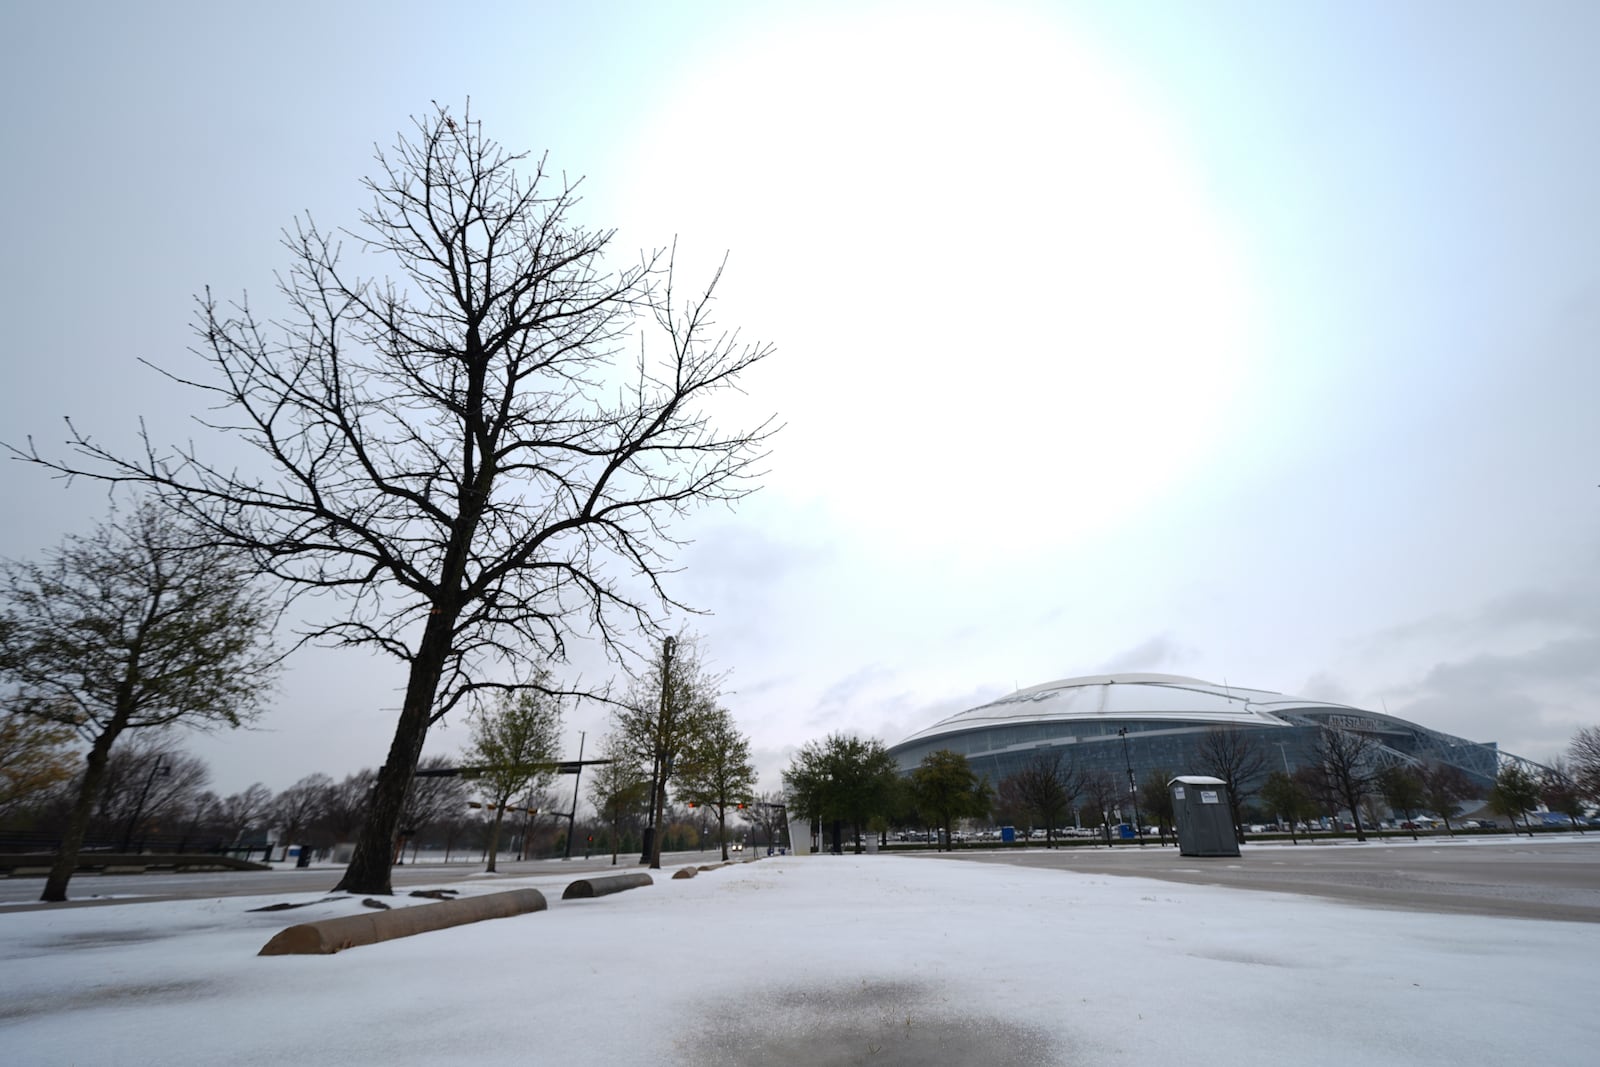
(990, 231)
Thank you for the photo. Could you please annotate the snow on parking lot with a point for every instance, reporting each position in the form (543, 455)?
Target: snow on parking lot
(795, 960)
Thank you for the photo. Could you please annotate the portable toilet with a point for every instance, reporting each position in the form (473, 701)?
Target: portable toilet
(1200, 808)
(799, 835)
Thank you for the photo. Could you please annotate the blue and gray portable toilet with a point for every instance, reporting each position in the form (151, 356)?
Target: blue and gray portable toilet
(1200, 808)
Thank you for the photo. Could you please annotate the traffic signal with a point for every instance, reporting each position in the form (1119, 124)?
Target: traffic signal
(693, 804)
(741, 805)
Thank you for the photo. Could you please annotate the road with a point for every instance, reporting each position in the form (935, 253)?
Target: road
(1534, 879)
(1550, 878)
(87, 890)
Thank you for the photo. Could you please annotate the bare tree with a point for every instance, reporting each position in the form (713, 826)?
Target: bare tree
(432, 798)
(1048, 786)
(195, 817)
(148, 778)
(1010, 806)
(1444, 787)
(1559, 791)
(1102, 794)
(1583, 754)
(139, 625)
(1346, 759)
(345, 806)
(300, 806)
(1155, 799)
(766, 813)
(478, 453)
(245, 811)
(1237, 757)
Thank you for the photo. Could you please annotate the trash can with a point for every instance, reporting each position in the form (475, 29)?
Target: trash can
(1200, 808)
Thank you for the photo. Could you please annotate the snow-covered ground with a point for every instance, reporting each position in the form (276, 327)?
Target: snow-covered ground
(812, 960)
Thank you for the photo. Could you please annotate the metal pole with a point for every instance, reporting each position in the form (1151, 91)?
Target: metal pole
(527, 817)
(138, 809)
(659, 800)
(572, 820)
(1133, 790)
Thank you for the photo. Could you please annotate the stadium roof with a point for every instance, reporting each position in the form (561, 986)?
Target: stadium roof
(1147, 697)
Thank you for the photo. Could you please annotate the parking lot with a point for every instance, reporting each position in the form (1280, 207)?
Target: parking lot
(1545, 878)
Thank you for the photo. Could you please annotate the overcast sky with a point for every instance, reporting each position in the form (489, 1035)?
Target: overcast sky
(1253, 342)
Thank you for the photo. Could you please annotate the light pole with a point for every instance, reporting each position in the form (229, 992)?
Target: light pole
(577, 777)
(1133, 791)
(662, 769)
(138, 809)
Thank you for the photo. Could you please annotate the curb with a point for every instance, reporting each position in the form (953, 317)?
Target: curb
(328, 936)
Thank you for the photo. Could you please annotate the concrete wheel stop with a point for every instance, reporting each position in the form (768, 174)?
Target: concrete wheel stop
(328, 936)
(600, 887)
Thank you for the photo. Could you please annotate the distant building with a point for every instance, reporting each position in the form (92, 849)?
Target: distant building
(1164, 717)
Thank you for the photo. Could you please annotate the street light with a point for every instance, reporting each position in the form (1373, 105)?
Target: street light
(1133, 791)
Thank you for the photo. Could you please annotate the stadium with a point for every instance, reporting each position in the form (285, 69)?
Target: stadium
(1155, 722)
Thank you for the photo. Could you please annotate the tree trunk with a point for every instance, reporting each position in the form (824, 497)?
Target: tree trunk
(722, 833)
(94, 772)
(370, 866)
(658, 803)
(494, 837)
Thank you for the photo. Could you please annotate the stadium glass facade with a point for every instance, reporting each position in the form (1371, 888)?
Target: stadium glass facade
(1165, 717)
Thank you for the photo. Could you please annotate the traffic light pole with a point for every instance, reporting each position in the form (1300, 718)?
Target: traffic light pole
(572, 820)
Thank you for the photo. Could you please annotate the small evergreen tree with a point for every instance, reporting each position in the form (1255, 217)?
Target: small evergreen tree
(716, 771)
(945, 789)
(1515, 792)
(1402, 788)
(513, 750)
